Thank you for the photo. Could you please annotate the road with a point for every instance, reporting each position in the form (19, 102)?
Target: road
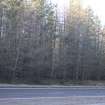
(52, 96)
(49, 92)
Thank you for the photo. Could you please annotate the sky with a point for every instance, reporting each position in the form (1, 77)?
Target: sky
(98, 6)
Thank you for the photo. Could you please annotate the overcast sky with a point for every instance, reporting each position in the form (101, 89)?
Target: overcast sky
(98, 6)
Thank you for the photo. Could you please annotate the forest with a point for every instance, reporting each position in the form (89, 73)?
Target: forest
(37, 44)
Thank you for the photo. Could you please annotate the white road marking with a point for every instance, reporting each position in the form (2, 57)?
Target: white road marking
(4, 99)
(97, 104)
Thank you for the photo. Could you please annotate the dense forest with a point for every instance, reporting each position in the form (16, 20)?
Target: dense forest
(37, 44)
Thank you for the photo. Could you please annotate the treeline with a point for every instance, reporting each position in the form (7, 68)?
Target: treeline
(36, 44)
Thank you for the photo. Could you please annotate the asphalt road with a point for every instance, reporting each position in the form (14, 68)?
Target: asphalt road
(49, 92)
(52, 96)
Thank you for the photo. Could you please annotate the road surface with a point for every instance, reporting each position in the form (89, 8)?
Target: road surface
(49, 92)
(52, 96)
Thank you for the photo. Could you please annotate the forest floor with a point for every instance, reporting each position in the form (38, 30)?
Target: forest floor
(49, 86)
(55, 85)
